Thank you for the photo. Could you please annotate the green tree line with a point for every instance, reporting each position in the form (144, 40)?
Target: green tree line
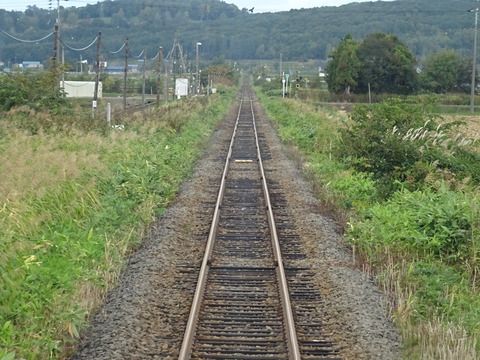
(224, 29)
(383, 64)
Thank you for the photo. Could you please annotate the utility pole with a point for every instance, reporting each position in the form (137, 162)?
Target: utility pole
(55, 67)
(159, 71)
(144, 75)
(474, 65)
(60, 49)
(97, 73)
(208, 85)
(165, 85)
(191, 79)
(197, 76)
(55, 47)
(63, 65)
(281, 64)
(58, 54)
(125, 71)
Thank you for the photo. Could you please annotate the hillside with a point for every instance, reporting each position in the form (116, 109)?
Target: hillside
(227, 31)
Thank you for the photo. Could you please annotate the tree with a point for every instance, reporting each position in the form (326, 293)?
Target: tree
(387, 65)
(342, 70)
(446, 71)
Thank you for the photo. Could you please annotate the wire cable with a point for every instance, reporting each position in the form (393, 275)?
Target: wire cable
(80, 49)
(26, 41)
(156, 56)
(121, 48)
(140, 55)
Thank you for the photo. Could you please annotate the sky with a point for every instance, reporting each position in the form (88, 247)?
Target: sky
(260, 6)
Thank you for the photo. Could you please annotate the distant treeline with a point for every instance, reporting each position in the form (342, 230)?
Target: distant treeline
(225, 30)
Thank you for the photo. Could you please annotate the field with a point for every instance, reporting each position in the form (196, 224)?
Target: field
(472, 125)
(75, 199)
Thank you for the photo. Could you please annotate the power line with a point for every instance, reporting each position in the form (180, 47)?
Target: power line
(140, 55)
(156, 56)
(24, 40)
(121, 48)
(81, 49)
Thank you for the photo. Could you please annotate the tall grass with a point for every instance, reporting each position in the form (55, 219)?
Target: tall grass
(74, 203)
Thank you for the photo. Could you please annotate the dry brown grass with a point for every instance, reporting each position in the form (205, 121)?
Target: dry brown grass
(443, 342)
(34, 164)
(425, 340)
(471, 129)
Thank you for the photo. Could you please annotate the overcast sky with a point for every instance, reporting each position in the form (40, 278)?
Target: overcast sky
(260, 5)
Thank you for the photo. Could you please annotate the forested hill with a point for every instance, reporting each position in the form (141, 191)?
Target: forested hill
(225, 30)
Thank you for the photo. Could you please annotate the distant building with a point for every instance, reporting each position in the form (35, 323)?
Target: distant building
(114, 69)
(321, 73)
(133, 68)
(31, 65)
(80, 89)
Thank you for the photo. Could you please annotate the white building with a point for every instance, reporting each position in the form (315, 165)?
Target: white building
(81, 89)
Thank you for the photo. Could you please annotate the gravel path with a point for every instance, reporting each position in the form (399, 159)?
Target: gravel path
(145, 315)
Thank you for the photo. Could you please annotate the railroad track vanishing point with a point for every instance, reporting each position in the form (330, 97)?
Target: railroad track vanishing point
(250, 301)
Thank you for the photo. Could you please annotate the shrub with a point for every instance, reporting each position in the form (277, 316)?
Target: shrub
(400, 144)
(371, 144)
(36, 90)
(441, 223)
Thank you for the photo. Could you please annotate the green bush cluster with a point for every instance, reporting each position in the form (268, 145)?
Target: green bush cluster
(439, 223)
(372, 145)
(40, 91)
(401, 144)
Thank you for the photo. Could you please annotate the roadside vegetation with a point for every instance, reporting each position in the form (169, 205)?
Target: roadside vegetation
(405, 184)
(75, 199)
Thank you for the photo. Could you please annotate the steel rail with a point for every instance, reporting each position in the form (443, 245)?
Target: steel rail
(293, 347)
(186, 349)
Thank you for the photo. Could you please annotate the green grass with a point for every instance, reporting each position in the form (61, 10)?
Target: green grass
(423, 246)
(62, 249)
(314, 134)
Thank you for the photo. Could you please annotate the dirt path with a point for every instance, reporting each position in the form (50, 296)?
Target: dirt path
(144, 317)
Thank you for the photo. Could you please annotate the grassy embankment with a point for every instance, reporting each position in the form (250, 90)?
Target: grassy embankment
(415, 225)
(73, 203)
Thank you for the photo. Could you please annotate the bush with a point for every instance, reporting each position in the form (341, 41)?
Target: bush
(400, 144)
(371, 143)
(441, 223)
(39, 91)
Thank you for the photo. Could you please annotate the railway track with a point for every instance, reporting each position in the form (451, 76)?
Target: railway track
(252, 299)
